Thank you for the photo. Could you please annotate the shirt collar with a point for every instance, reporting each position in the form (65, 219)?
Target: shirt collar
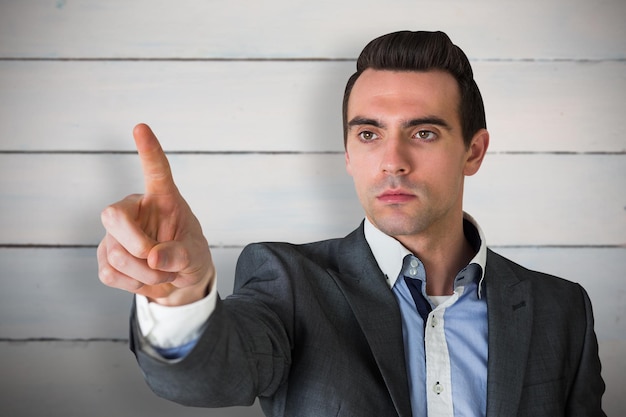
(389, 253)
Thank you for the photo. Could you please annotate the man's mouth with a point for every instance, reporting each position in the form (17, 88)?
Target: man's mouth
(395, 197)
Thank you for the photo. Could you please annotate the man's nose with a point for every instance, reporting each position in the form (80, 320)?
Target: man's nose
(395, 158)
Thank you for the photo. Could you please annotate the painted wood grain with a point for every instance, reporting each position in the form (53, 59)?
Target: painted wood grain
(519, 199)
(296, 29)
(286, 106)
(55, 294)
(77, 379)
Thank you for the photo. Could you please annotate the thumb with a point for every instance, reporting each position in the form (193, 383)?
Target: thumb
(169, 256)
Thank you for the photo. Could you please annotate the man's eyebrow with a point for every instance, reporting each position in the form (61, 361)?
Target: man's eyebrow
(361, 121)
(430, 120)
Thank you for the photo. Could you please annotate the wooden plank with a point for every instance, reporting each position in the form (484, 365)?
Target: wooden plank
(550, 199)
(612, 354)
(199, 106)
(302, 197)
(75, 379)
(55, 293)
(325, 29)
(519, 199)
(286, 106)
(554, 107)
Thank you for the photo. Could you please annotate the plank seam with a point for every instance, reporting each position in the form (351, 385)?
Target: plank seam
(272, 153)
(94, 246)
(59, 339)
(182, 152)
(293, 59)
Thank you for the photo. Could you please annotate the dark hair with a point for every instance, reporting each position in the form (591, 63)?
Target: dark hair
(423, 51)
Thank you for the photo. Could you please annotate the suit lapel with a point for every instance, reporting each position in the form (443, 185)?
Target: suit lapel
(509, 306)
(377, 312)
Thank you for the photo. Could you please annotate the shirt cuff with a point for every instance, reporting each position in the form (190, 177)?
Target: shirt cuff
(168, 327)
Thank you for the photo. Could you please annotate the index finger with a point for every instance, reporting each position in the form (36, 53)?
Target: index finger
(156, 168)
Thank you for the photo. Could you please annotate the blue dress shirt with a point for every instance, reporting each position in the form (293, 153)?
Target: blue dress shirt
(446, 354)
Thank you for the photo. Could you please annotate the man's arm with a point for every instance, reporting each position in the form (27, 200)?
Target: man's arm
(585, 399)
(244, 348)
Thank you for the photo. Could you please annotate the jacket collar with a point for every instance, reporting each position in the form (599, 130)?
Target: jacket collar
(389, 252)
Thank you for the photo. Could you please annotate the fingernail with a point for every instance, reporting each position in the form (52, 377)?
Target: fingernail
(162, 264)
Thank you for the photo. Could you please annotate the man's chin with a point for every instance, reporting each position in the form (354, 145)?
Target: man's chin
(397, 225)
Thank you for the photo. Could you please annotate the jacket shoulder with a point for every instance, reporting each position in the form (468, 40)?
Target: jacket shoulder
(326, 254)
(500, 265)
(548, 291)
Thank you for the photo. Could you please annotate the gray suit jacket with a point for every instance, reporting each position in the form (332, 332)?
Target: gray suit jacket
(314, 330)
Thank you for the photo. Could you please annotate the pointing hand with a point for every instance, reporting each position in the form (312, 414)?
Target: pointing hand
(154, 244)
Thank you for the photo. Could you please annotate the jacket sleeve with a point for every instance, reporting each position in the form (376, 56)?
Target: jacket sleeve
(244, 350)
(585, 399)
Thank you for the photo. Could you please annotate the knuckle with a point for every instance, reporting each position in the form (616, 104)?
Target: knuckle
(108, 275)
(151, 279)
(117, 258)
(116, 211)
(183, 258)
(107, 215)
(160, 277)
(135, 286)
(110, 215)
(140, 249)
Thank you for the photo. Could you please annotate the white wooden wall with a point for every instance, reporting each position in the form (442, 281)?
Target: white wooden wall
(245, 96)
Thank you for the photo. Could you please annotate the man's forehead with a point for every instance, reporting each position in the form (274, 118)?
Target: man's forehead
(410, 92)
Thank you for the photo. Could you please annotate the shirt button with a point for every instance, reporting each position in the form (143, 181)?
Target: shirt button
(414, 263)
(412, 272)
(438, 388)
(434, 322)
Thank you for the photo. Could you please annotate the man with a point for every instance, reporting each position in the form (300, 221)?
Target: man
(409, 315)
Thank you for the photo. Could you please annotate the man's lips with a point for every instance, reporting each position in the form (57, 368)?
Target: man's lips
(395, 197)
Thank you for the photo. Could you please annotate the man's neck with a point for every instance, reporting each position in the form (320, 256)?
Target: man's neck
(443, 255)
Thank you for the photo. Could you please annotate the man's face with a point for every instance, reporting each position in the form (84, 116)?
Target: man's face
(405, 150)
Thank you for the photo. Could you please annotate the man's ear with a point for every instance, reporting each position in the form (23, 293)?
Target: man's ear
(476, 152)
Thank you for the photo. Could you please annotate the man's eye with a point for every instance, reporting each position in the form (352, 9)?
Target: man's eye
(426, 135)
(367, 136)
